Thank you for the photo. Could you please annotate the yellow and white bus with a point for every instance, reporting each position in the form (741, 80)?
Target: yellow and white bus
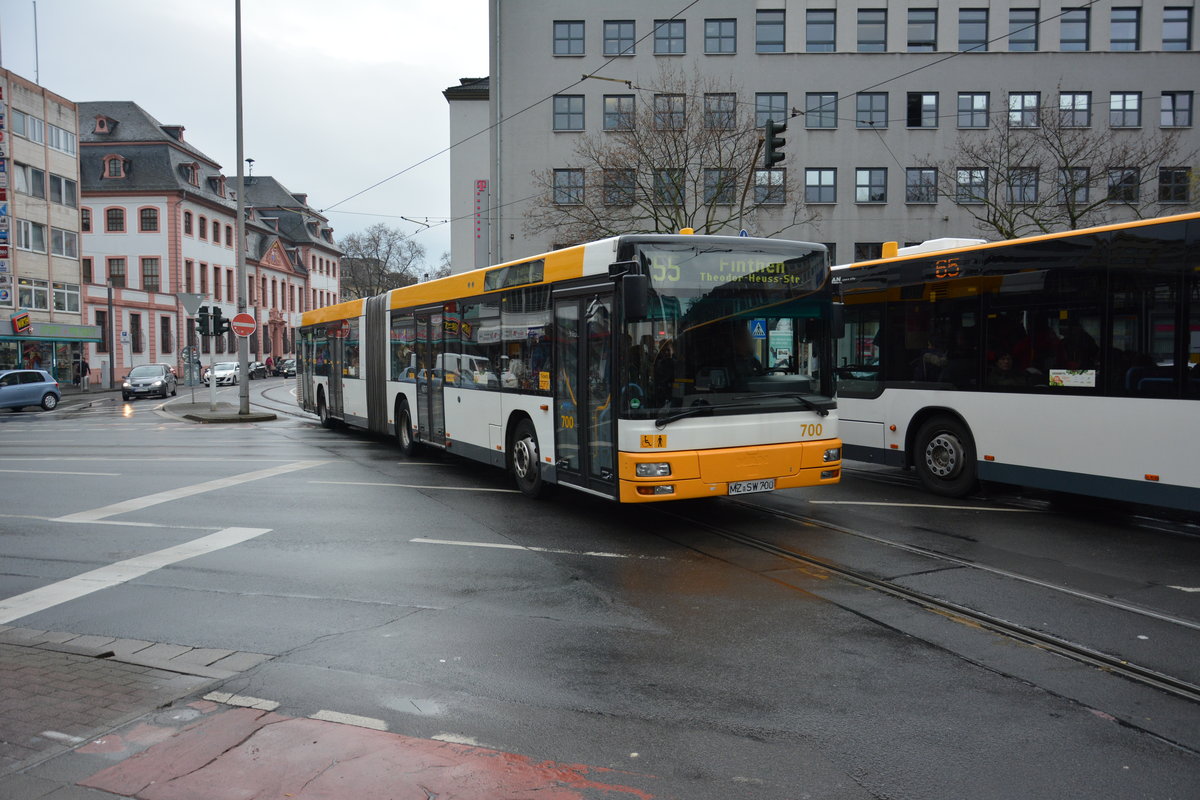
(638, 368)
(1068, 361)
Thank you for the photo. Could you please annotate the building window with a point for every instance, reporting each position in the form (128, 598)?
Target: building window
(166, 342)
(618, 37)
(66, 297)
(148, 220)
(64, 243)
(568, 37)
(86, 270)
(720, 111)
(973, 30)
(1023, 185)
(618, 112)
(29, 180)
(719, 186)
(61, 139)
(229, 288)
(922, 109)
(619, 187)
(568, 187)
(770, 105)
(720, 36)
(770, 186)
(63, 191)
(820, 185)
(151, 277)
(114, 167)
(669, 112)
(204, 278)
(872, 30)
(1177, 28)
(216, 232)
(33, 294)
(820, 110)
(189, 279)
(1176, 110)
(114, 220)
(1074, 30)
(768, 31)
(85, 220)
(229, 236)
(1022, 30)
(870, 185)
(821, 31)
(668, 187)
(971, 185)
(116, 273)
(1023, 109)
(1123, 184)
(871, 110)
(102, 323)
(868, 251)
(670, 38)
(1073, 185)
(1125, 110)
(920, 185)
(1075, 109)
(568, 115)
(973, 109)
(187, 222)
(1126, 30)
(922, 30)
(1173, 184)
(135, 333)
(31, 236)
(202, 227)
(28, 126)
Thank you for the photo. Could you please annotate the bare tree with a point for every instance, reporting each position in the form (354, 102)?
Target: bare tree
(378, 259)
(686, 157)
(1043, 169)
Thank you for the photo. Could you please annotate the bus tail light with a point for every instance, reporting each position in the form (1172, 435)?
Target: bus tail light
(660, 469)
(656, 490)
(1150, 477)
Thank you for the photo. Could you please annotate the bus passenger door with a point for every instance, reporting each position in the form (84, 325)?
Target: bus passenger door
(337, 333)
(431, 417)
(584, 420)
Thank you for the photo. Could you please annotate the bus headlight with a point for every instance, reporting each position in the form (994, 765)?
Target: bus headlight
(832, 454)
(658, 470)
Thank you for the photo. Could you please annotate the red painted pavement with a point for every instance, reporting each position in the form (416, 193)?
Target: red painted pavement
(241, 754)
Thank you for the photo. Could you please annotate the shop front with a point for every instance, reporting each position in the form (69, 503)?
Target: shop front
(52, 346)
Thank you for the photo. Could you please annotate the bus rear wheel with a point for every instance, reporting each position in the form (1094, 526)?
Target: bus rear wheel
(945, 458)
(404, 434)
(523, 460)
(323, 412)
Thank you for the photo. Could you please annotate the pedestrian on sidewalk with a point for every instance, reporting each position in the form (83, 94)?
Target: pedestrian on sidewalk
(84, 371)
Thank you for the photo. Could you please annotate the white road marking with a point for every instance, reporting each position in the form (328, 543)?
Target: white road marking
(61, 737)
(139, 503)
(923, 505)
(56, 472)
(415, 486)
(351, 719)
(117, 523)
(242, 700)
(22, 605)
(1186, 588)
(498, 546)
(454, 738)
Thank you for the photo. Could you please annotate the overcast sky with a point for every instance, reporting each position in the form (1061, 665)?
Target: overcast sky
(337, 95)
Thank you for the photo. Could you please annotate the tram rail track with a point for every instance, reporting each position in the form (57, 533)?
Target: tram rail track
(1147, 676)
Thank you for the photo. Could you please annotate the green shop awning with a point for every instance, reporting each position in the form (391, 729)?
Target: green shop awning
(55, 332)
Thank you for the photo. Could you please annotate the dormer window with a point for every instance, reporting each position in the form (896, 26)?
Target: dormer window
(104, 124)
(218, 185)
(114, 166)
(192, 173)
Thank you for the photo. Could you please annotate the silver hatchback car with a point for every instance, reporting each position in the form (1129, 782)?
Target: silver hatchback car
(28, 387)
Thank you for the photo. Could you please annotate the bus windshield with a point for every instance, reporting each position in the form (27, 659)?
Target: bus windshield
(734, 327)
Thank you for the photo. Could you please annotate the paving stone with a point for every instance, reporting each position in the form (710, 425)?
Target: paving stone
(240, 662)
(203, 656)
(25, 787)
(125, 647)
(162, 652)
(22, 636)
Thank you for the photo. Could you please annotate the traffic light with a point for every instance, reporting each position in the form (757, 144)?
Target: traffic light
(773, 143)
(220, 325)
(203, 324)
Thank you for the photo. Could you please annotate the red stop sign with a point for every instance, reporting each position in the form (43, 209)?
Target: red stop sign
(243, 324)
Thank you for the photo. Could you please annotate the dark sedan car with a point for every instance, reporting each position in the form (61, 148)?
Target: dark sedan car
(28, 387)
(257, 369)
(148, 380)
(287, 367)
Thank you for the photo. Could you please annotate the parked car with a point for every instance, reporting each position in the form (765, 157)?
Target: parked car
(257, 369)
(287, 367)
(28, 387)
(147, 380)
(170, 368)
(225, 372)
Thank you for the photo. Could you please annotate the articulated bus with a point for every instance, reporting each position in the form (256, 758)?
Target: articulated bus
(638, 368)
(1068, 362)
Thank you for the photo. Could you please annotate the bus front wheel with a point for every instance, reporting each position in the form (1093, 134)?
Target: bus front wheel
(945, 457)
(323, 412)
(523, 460)
(404, 432)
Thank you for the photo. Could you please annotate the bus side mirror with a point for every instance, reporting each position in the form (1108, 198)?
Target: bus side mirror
(635, 290)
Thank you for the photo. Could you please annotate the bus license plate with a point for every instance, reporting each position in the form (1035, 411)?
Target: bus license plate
(750, 487)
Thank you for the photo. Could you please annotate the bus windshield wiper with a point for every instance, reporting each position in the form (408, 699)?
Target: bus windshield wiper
(691, 411)
(804, 401)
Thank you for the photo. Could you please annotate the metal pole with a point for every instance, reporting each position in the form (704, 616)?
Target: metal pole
(243, 341)
(112, 342)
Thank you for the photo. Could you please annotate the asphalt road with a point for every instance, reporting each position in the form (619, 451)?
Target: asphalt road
(428, 595)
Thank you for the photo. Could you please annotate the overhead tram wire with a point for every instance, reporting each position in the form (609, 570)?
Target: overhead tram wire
(498, 123)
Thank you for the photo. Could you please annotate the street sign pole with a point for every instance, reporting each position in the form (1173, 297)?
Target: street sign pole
(240, 224)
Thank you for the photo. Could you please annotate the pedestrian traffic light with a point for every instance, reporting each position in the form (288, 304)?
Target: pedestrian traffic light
(220, 325)
(773, 143)
(202, 321)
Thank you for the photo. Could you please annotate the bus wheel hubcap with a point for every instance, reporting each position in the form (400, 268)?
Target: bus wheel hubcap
(524, 457)
(942, 455)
